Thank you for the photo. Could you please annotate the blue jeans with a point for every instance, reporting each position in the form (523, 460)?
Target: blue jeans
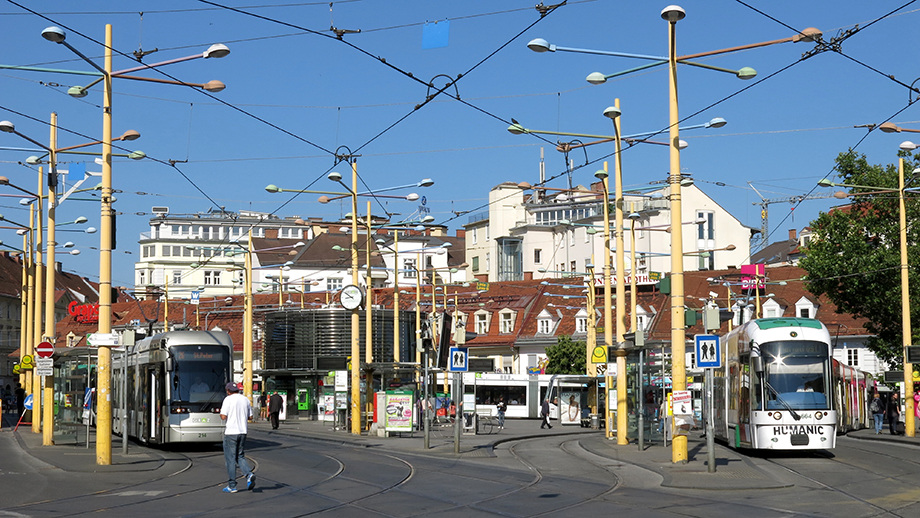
(235, 456)
(501, 419)
(878, 422)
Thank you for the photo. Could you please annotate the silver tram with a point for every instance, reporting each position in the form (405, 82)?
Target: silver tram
(175, 386)
(775, 388)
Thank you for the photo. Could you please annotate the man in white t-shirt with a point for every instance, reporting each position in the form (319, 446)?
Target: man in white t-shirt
(236, 411)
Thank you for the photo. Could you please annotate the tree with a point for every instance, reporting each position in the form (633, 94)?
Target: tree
(566, 357)
(854, 257)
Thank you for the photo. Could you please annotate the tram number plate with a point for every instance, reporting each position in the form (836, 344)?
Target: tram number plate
(202, 436)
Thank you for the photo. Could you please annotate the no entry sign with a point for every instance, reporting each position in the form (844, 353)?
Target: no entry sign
(44, 350)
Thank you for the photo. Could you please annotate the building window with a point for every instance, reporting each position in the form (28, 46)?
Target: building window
(474, 233)
(707, 261)
(705, 229)
(142, 277)
(186, 252)
(487, 232)
(544, 326)
(805, 312)
(507, 323)
(581, 324)
(333, 283)
(409, 268)
(475, 266)
(482, 324)
(176, 277)
(574, 266)
(166, 250)
(537, 256)
(853, 357)
(212, 278)
(488, 267)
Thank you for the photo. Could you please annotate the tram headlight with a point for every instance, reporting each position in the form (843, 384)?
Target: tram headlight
(819, 415)
(777, 416)
(178, 410)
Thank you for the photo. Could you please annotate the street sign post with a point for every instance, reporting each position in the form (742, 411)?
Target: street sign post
(196, 296)
(44, 367)
(709, 357)
(102, 339)
(44, 350)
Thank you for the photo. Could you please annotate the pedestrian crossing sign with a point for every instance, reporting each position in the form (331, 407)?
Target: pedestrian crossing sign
(708, 351)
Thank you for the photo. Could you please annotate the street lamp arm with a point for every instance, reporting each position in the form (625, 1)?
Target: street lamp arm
(54, 70)
(808, 35)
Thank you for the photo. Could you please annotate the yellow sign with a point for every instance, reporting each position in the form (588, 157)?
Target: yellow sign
(599, 354)
(16, 369)
(482, 286)
(27, 363)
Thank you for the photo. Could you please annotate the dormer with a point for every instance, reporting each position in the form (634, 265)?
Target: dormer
(581, 322)
(547, 322)
(772, 309)
(805, 308)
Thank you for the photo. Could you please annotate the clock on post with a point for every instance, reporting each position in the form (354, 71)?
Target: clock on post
(352, 296)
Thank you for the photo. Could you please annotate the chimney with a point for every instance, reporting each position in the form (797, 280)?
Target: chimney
(461, 232)
(792, 234)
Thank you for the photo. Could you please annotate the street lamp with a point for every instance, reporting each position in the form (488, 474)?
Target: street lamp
(104, 377)
(672, 14)
(905, 285)
(355, 312)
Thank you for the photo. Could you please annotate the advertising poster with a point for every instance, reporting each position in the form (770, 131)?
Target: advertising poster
(328, 407)
(399, 406)
(570, 408)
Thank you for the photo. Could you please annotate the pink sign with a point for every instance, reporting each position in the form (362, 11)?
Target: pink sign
(752, 276)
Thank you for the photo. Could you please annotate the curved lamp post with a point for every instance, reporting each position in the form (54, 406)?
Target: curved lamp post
(105, 75)
(909, 418)
(355, 313)
(672, 14)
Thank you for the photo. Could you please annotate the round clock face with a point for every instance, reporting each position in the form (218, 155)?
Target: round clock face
(351, 296)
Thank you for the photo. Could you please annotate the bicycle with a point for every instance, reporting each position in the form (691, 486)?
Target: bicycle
(442, 426)
(487, 424)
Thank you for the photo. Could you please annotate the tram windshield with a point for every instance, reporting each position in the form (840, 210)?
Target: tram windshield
(200, 373)
(795, 375)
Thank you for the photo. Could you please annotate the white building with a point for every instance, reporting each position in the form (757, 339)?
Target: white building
(540, 232)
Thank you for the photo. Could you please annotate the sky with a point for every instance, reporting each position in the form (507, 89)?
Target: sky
(296, 96)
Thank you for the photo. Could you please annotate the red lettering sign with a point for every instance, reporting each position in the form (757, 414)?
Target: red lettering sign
(84, 313)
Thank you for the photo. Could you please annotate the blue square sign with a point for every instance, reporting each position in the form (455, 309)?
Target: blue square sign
(708, 351)
(458, 361)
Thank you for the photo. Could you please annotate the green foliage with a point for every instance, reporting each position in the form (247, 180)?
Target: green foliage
(566, 357)
(854, 257)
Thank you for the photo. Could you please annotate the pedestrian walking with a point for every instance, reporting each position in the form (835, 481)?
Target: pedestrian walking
(544, 413)
(877, 408)
(236, 412)
(501, 407)
(275, 403)
(894, 414)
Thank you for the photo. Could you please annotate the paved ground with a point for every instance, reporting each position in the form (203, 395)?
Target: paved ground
(733, 470)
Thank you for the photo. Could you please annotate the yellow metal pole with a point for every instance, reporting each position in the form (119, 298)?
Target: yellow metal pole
(34, 380)
(591, 337)
(608, 315)
(355, 313)
(48, 381)
(396, 355)
(678, 344)
(905, 310)
(247, 324)
(104, 364)
(25, 318)
(622, 410)
(368, 328)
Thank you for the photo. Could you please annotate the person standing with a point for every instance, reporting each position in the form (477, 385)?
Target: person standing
(877, 408)
(894, 414)
(501, 407)
(544, 413)
(263, 406)
(236, 412)
(20, 399)
(275, 403)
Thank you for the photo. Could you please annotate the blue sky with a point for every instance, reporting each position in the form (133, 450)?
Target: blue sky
(294, 96)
